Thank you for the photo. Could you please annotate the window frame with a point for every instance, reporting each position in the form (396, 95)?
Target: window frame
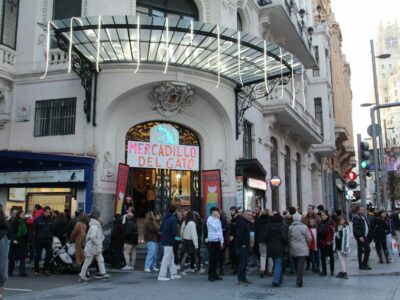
(274, 172)
(3, 8)
(247, 140)
(288, 176)
(167, 11)
(298, 182)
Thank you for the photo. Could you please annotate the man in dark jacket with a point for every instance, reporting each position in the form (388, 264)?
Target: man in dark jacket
(232, 234)
(43, 228)
(363, 234)
(242, 245)
(169, 230)
(130, 242)
(395, 218)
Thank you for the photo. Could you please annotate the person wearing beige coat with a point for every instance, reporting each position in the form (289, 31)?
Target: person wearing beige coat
(78, 236)
(299, 239)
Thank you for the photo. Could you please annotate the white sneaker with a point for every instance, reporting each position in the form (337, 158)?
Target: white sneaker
(191, 270)
(202, 271)
(178, 267)
(156, 269)
(163, 278)
(127, 268)
(176, 276)
(147, 270)
(183, 273)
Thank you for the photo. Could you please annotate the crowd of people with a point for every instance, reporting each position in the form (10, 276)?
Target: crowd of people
(184, 242)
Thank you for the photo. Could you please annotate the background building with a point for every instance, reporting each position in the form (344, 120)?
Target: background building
(71, 132)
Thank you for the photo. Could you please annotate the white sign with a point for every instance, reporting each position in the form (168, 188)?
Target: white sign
(257, 184)
(42, 176)
(163, 151)
(17, 194)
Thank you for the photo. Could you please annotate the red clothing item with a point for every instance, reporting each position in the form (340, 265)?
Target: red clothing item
(37, 213)
(313, 243)
(329, 235)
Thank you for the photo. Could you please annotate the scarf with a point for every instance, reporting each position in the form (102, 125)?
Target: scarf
(22, 230)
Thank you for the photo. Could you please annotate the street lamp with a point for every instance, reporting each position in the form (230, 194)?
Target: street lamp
(377, 103)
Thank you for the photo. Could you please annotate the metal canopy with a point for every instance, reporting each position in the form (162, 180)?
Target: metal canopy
(193, 45)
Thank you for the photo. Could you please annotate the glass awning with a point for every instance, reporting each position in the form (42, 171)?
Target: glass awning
(225, 52)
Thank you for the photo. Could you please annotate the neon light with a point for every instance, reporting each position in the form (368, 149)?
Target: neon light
(98, 45)
(302, 87)
(138, 43)
(280, 53)
(71, 42)
(293, 85)
(239, 63)
(265, 67)
(218, 57)
(166, 45)
(47, 48)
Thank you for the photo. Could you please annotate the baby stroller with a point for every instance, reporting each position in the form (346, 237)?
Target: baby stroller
(61, 260)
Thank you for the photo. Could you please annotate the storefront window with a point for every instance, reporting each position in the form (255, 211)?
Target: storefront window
(186, 10)
(8, 22)
(274, 172)
(287, 177)
(298, 182)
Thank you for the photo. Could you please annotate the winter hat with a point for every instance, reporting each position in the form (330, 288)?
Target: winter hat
(296, 217)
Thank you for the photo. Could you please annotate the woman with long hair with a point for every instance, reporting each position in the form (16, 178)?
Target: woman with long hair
(151, 238)
(190, 242)
(3, 250)
(341, 244)
(78, 237)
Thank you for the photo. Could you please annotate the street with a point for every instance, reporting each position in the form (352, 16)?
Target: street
(382, 282)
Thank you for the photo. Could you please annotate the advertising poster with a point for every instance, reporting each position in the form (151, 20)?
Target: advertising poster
(212, 194)
(123, 173)
(239, 192)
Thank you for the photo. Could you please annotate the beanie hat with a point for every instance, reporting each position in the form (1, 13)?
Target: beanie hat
(296, 217)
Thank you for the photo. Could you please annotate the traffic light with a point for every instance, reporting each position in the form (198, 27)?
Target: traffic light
(351, 179)
(364, 156)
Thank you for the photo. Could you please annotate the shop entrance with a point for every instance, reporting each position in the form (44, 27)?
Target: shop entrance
(154, 187)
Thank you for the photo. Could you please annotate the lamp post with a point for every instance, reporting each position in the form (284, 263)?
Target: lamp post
(381, 153)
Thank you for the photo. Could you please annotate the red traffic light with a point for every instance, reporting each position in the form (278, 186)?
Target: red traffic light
(351, 176)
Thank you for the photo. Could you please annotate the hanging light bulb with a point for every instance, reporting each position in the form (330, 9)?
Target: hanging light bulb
(137, 43)
(280, 55)
(266, 67)
(98, 44)
(239, 62)
(49, 23)
(71, 42)
(293, 84)
(166, 45)
(218, 57)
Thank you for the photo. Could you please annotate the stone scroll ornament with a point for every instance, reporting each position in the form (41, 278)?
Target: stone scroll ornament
(170, 99)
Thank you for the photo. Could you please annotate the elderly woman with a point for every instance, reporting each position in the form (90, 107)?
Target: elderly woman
(78, 237)
(299, 239)
(3, 250)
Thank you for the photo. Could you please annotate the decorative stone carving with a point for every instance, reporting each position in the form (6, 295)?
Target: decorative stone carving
(84, 6)
(2, 101)
(108, 168)
(169, 99)
(221, 165)
(44, 10)
(230, 5)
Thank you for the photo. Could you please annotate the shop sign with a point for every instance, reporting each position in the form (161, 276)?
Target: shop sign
(257, 184)
(163, 151)
(239, 191)
(42, 177)
(122, 181)
(211, 181)
(17, 194)
(275, 182)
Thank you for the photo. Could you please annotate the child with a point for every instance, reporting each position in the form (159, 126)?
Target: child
(341, 244)
(314, 251)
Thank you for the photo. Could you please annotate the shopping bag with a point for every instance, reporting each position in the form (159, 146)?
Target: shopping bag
(395, 247)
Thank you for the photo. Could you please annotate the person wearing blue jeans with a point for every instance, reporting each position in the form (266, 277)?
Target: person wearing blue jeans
(151, 230)
(277, 277)
(151, 258)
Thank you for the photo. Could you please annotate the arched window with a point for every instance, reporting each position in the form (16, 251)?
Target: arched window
(186, 10)
(298, 182)
(287, 177)
(274, 172)
(239, 22)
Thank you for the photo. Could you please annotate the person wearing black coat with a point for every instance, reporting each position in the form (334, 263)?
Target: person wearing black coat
(232, 234)
(117, 241)
(363, 234)
(18, 236)
(44, 230)
(130, 242)
(242, 245)
(261, 239)
(380, 229)
(277, 239)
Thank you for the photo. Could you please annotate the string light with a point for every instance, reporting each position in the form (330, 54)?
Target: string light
(293, 84)
(280, 54)
(167, 45)
(47, 48)
(218, 57)
(239, 63)
(302, 87)
(265, 67)
(98, 45)
(138, 43)
(71, 42)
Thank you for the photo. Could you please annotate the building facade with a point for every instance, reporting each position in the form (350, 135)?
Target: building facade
(159, 86)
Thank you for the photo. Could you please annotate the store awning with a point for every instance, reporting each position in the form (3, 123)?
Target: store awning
(236, 56)
(250, 168)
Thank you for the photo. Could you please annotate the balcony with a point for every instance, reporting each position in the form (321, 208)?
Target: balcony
(281, 19)
(7, 62)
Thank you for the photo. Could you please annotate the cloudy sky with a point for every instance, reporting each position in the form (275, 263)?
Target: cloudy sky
(359, 21)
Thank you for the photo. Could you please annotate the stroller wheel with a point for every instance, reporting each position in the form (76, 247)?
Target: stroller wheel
(57, 269)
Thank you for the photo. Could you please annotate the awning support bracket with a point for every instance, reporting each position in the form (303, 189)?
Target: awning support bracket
(247, 95)
(84, 69)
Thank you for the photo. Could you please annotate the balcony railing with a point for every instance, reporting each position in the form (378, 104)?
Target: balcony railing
(7, 59)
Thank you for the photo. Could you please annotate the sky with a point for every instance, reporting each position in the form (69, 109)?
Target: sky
(359, 21)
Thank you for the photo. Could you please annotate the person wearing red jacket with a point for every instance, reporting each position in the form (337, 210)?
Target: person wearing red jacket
(325, 242)
(314, 250)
